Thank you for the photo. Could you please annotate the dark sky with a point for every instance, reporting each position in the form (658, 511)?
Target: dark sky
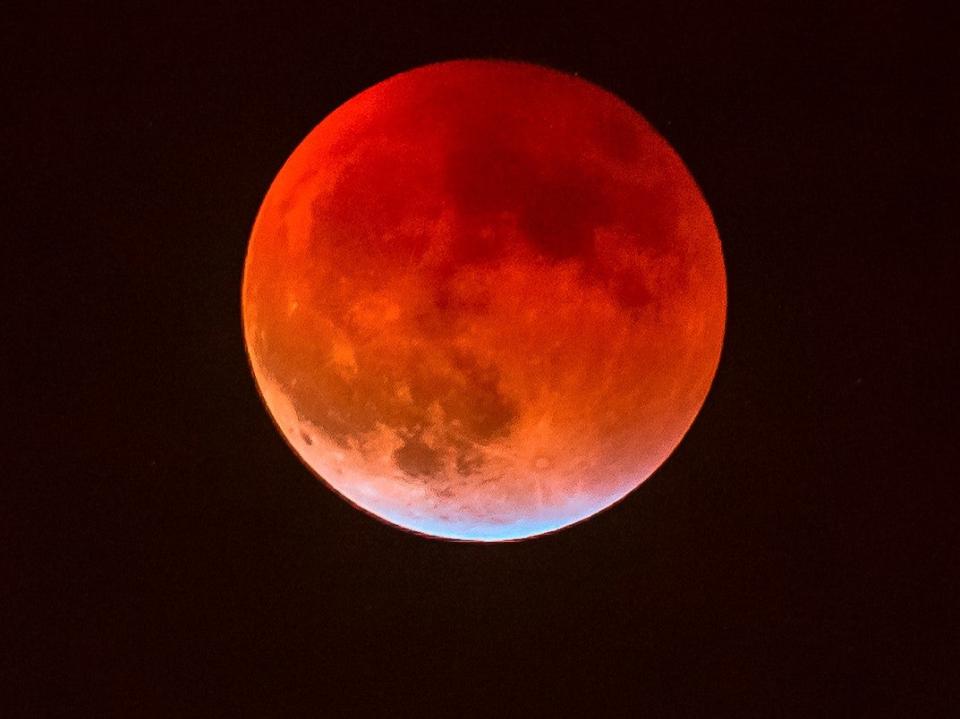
(169, 555)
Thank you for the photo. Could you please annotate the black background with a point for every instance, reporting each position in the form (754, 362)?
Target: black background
(168, 554)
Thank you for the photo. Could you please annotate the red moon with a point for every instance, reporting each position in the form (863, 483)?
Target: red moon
(484, 300)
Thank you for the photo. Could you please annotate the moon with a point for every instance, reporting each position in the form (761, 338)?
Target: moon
(484, 300)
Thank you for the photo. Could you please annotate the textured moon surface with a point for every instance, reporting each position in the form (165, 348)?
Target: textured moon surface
(484, 300)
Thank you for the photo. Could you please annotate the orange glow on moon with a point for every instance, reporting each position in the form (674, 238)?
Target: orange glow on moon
(484, 300)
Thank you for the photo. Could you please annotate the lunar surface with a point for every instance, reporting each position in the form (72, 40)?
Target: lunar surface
(484, 300)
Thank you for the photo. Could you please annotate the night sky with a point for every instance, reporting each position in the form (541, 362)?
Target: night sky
(170, 556)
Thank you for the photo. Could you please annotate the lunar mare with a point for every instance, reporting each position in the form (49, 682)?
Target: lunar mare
(484, 300)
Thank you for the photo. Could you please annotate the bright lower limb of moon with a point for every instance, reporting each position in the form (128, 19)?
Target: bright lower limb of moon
(530, 503)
